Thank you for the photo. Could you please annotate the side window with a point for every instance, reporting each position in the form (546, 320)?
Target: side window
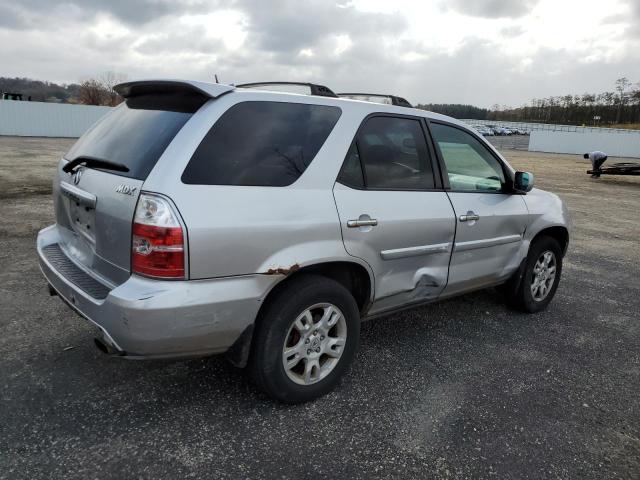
(470, 165)
(351, 173)
(261, 144)
(394, 154)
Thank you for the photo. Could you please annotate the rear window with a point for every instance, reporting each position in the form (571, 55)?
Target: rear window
(135, 133)
(261, 144)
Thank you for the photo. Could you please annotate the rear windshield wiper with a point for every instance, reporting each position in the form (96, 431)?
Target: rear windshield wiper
(93, 162)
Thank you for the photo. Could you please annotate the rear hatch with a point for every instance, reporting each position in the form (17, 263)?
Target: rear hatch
(95, 202)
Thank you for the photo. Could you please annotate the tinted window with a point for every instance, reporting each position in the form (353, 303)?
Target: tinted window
(351, 173)
(470, 165)
(394, 154)
(132, 134)
(261, 143)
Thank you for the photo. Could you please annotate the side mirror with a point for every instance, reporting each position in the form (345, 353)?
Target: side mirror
(523, 182)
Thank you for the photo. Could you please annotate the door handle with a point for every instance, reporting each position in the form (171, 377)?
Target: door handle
(371, 222)
(469, 217)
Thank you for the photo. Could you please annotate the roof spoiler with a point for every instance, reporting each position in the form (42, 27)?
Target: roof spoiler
(395, 100)
(151, 87)
(319, 90)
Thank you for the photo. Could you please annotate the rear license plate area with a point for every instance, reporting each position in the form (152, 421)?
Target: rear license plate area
(83, 219)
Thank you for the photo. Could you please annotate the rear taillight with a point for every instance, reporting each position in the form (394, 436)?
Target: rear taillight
(158, 240)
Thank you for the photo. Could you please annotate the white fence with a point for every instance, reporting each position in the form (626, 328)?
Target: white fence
(556, 127)
(617, 144)
(41, 119)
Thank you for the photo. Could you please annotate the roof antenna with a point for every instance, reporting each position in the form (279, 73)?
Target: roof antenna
(216, 76)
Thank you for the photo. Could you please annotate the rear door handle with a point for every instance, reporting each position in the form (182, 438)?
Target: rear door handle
(469, 217)
(371, 222)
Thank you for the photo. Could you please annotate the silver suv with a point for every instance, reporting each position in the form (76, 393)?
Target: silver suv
(200, 218)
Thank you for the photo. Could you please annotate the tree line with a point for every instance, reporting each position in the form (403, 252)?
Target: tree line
(456, 110)
(91, 91)
(621, 106)
(39, 91)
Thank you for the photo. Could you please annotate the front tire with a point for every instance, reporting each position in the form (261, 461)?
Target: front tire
(305, 339)
(540, 278)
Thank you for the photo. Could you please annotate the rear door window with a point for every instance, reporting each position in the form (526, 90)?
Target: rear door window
(351, 173)
(135, 133)
(261, 144)
(394, 154)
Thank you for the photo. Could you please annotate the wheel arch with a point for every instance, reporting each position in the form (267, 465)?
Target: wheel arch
(354, 276)
(559, 233)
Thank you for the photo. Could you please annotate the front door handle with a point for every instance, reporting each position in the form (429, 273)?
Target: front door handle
(370, 222)
(469, 217)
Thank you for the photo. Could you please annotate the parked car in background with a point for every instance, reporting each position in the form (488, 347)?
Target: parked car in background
(199, 218)
(482, 130)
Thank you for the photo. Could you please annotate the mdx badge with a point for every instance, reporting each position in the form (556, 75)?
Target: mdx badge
(126, 189)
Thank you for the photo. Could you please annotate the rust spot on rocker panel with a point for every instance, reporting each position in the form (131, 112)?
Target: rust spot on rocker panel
(283, 271)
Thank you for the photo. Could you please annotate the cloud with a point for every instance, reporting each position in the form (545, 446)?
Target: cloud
(478, 73)
(289, 25)
(132, 12)
(512, 31)
(634, 6)
(190, 41)
(340, 45)
(492, 8)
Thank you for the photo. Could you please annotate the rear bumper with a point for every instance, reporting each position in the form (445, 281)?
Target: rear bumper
(155, 318)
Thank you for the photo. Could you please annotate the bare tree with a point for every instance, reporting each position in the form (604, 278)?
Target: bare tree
(100, 90)
(108, 80)
(635, 95)
(622, 85)
(91, 92)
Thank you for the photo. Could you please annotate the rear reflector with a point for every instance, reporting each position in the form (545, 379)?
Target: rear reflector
(158, 241)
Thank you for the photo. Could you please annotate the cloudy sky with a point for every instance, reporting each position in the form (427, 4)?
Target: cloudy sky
(456, 51)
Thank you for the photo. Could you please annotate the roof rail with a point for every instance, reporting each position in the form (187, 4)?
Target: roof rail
(315, 89)
(370, 97)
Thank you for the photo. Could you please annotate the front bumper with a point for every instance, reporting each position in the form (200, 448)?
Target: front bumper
(143, 317)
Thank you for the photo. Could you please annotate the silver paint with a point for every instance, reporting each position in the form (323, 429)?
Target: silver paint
(242, 241)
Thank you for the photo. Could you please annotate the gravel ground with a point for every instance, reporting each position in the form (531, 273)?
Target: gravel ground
(461, 389)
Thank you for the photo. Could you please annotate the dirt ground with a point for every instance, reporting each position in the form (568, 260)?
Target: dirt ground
(603, 210)
(461, 389)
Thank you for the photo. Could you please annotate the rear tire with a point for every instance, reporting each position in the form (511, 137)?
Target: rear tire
(540, 278)
(305, 339)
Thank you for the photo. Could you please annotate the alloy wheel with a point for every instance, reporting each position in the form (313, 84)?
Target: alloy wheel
(314, 343)
(544, 274)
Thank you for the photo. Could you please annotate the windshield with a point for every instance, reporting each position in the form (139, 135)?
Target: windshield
(131, 136)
